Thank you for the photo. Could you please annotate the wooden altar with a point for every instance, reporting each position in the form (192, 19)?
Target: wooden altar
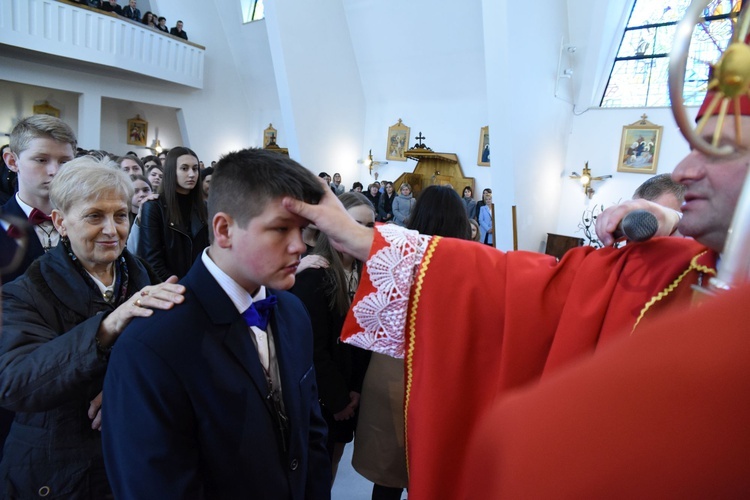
(442, 169)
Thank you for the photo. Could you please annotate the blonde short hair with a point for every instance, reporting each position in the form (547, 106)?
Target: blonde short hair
(86, 179)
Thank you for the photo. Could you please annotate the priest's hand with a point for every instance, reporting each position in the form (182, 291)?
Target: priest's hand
(608, 221)
(330, 216)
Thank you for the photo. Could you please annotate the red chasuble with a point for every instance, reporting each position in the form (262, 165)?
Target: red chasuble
(661, 415)
(473, 322)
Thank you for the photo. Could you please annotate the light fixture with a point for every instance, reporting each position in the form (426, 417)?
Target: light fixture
(156, 146)
(586, 179)
(372, 163)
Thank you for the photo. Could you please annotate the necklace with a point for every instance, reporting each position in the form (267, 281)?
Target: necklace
(48, 246)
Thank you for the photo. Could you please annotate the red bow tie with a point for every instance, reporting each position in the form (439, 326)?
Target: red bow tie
(37, 217)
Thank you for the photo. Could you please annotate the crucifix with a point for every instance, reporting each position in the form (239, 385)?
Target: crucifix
(420, 138)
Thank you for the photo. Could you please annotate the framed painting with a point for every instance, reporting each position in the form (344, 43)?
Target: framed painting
(398, 141)
(269, 136)
(46, 109)
(483, 155)
(137, 131)
(639, 147)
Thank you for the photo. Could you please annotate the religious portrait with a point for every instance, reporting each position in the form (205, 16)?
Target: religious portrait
(483, 155)
(398, 141)
(639, 147)
(269, 136)
(137, 131)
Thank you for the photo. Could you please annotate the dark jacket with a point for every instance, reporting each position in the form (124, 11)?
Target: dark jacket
(170, 249)
(182, 34)
(375, 200)
(50, 370)
(107, 7)
(340, 367)
(134, 14)
(186, 413)
(385, 207)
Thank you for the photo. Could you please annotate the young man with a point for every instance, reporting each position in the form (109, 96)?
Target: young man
(178, 31)
(39, 146)
(527, 317)
(162, 26)
(202, 404)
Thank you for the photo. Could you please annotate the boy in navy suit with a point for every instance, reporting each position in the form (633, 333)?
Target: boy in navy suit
(39, 146)
(217, 398)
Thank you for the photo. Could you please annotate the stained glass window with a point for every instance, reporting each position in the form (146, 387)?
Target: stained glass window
(640, 71)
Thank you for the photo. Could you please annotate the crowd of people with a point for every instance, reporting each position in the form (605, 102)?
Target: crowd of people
(132, 12)
(141, 358)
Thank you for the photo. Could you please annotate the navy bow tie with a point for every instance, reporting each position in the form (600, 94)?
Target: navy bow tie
(259, 312)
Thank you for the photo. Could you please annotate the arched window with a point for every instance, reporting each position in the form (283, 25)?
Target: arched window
(640, 71)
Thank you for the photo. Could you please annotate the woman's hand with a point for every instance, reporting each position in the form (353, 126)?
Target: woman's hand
(95, 412)
(314, 261)
(141, 304)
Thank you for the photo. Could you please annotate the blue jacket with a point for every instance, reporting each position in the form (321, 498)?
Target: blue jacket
(185, 411)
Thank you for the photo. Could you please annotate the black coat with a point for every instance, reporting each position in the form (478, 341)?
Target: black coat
(50, 370)
(170, 249)
(340, 368)
(385, 207)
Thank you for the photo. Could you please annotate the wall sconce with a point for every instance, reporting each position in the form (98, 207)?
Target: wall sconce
(156, 147)
(372, 163)
(586, 179)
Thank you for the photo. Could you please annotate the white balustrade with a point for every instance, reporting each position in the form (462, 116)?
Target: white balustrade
(74, 32)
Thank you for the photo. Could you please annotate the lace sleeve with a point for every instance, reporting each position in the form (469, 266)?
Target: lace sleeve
(378, 316)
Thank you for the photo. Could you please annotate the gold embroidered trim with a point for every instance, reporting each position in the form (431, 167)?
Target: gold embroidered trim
(412, 337)
(694, 266)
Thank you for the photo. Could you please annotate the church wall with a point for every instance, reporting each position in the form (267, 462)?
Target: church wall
(595, 137)
(318, 84)
(529, 126)
(214, 120)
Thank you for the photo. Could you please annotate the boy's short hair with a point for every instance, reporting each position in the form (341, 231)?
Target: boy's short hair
(40, 126)
(245, 181)
(657, 186)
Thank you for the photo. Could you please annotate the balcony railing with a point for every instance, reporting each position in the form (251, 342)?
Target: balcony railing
(81, 33)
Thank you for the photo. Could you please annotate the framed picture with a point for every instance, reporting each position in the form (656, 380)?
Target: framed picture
(483, 155)
(137, 131)
(398, 142)
(639, 147)
(46, 109)
(269, 136)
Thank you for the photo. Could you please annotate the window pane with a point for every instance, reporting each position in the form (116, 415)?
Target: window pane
(642, 78)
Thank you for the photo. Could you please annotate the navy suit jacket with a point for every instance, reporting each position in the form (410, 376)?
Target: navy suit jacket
(185, 412)
(8, 245)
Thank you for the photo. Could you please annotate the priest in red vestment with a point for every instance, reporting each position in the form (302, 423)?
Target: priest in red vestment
(474, 323)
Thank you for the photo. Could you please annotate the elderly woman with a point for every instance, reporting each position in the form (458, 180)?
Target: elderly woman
(60, 321)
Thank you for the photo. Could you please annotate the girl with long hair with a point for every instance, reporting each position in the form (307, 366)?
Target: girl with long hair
(174, 228)
(340, 368)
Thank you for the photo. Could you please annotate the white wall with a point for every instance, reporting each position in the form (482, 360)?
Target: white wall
(595, 138)
(18, 101)
(210, 121)
(318, 83)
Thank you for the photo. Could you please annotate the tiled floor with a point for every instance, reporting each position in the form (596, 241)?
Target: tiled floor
(349, 485)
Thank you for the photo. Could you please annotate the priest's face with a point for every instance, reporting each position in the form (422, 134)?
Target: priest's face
(713, 186)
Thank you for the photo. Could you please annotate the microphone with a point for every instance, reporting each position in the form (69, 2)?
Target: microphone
(638, 225)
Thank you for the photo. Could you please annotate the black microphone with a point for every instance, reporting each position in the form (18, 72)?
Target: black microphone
(638, 225)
